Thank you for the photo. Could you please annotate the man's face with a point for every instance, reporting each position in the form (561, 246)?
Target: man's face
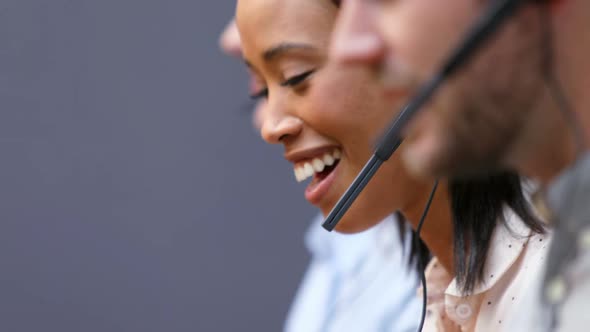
(476, 118)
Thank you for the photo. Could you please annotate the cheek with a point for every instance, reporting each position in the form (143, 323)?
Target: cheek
(421, 33)
(345, 105)
(391, 189)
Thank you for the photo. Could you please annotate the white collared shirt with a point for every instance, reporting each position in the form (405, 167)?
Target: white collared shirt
(359, 282)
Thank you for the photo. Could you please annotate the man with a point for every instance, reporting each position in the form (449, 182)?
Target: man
(360, 282)
(521, 103)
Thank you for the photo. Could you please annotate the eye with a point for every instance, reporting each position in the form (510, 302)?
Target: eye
(261, 94)
(298, 79)
(257, 87)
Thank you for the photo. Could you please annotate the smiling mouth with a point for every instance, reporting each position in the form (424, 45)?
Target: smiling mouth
(321, 169)
(318, 168)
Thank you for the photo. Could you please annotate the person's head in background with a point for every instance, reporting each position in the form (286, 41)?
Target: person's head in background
(495, 113)
(229, 42)
(285, 44)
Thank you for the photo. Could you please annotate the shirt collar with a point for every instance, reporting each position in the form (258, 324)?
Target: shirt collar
(506, 246)
(346, 252)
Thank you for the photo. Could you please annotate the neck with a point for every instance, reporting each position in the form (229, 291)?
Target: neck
(550, 141)
(572, 48)
(545, 146)
(437, 230)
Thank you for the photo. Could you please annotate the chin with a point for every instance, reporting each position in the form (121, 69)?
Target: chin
(349, 224)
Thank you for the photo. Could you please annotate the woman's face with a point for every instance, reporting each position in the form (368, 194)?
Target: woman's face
(328, 139)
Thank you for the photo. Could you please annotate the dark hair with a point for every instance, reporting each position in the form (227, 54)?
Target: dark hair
(477, 207)
(419, 254)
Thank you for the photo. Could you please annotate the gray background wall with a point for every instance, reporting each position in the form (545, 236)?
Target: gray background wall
(134, 195)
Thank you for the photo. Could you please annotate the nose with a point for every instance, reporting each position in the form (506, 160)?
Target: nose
(355, 38)
(277, 125)
(229, 41)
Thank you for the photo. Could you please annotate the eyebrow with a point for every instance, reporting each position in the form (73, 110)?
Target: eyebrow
(282, 48)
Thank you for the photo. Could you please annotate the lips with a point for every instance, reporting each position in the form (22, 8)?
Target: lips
(395, 79)
(321, 167)
(394, 88)
(304, 170)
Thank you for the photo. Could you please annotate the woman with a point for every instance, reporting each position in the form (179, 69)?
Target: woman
(343, 287)
(329, 139)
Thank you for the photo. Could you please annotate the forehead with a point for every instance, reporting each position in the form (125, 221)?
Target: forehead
(264, 24)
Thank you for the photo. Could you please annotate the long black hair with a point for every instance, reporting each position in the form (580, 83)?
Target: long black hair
(478, 207)
(419, 254)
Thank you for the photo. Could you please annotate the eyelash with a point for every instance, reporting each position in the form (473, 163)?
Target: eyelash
(262, 94)
(291, 82)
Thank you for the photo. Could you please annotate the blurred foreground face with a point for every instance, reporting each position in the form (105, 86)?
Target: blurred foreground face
(475, 120)
(328, 137)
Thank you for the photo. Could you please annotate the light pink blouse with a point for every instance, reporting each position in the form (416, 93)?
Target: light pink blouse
(515, 261)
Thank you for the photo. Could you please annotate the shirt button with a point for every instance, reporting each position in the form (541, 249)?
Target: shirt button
(584, 240)
(556, 290)
(463, 311)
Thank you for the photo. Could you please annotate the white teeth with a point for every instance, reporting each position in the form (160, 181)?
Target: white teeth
(318, 165)
(297, 172)
(301, 173)
(308, 169)
(337, 154)
(328, 159)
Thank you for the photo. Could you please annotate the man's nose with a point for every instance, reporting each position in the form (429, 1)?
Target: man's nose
(355, 38)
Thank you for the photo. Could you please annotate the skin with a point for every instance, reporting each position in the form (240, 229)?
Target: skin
(229, 41)
(230, 44)
(497, 113)
(348, 115)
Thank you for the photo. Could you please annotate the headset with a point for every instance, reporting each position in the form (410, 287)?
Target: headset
(497, 13)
